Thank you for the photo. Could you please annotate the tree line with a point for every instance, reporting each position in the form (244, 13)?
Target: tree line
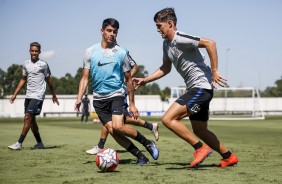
(68, 84)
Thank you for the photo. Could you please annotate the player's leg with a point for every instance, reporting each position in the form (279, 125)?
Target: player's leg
(129, 131)
(26, 126)
(35, 131)
(200, 128)
(124, 141)
(184, 106)
(101, 143)
(154, 127)
(104, 111)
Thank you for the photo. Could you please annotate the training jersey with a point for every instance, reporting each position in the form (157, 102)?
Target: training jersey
(186, 57)
(107, 67)
(36, 74)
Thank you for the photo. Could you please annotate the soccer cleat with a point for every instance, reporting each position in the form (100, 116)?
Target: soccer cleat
(155, 130)
(16, 146)
(231, 161)
(200, 155)
(39, 145)
(153, 150)
(93, 151)
(142, 160)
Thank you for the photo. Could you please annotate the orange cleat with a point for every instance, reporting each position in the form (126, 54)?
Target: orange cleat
(231, 161)
(200, 155)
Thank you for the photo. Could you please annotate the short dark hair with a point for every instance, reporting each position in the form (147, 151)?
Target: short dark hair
(36, 44)
(165, 15)
(110, 22)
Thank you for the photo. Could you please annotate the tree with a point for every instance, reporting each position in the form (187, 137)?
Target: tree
(11, 79)
(274, 91)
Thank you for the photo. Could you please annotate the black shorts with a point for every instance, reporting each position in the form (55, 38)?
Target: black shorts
(106, 108)
(197, 101)
(32, 106)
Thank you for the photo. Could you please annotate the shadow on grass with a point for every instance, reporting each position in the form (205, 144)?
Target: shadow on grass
(49, 147)
(186, 166)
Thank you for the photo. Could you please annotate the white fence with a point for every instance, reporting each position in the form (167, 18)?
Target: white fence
(146, 104)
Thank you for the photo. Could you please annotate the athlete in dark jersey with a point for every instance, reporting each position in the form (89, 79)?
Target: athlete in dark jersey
(182, 50)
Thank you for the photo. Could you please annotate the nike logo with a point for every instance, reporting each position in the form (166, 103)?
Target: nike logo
(102, 64)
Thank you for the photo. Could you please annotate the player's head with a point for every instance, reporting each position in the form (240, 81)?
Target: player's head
(165, 15)
(109, 30)
(34, 50)
(166, 22)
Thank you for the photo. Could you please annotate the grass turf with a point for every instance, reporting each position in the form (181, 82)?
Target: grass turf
(258, 144)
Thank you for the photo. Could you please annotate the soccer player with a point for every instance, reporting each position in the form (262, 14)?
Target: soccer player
(182, 50)
(36, 73)
(128, 120)
(85, 109)
(108, 64)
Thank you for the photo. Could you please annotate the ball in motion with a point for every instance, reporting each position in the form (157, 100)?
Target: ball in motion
(107, 160)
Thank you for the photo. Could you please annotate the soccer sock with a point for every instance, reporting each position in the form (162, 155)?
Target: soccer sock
(141, 139)
(21, 139)
(226, 155)
(101, 143)
(37, 137)
(148, 125)
(197, 145)
(134, 151)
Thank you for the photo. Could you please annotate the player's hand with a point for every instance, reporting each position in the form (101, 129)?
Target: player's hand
(137, 82)
(12, 98)
(134, 111)
(77, 105)
(217, 79)
(55, 100)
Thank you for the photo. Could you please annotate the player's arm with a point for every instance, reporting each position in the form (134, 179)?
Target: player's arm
(82, 87)
(130, 89)
(210, 47)
(134, 70)
(51, 87)
(159, 73)
(18, 89)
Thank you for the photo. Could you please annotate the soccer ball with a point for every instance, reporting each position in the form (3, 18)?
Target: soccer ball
(107, 159)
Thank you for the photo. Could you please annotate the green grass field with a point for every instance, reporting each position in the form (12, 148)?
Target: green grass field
(258, 144)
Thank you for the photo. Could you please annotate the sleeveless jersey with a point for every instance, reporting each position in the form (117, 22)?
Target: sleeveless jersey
(107, 67)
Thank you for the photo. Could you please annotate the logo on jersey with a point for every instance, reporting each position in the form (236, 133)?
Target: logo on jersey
(196, 108)
(102, 64)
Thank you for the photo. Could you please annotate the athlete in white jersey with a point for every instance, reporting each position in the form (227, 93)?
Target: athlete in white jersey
(36, 73)
(109, 64)
(182, 50)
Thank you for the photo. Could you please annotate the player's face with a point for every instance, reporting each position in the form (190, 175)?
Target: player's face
(34, 53)
(163, 28)
(109, 35)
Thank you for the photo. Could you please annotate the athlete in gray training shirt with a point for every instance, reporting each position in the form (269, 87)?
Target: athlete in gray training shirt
(182, 50)
(36, 73)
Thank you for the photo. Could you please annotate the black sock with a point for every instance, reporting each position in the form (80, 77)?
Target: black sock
(148, 125)
(21, 139)
(134, 151)
(141, 139)
(37, 137)
(197, 145)
(101, 143)
(226, 155)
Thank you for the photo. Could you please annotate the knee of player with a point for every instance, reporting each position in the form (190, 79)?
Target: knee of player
(119, 129)
(166, 120)
(28, 117)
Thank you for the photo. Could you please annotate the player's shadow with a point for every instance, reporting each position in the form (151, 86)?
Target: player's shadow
(186, 166)
(49, 147)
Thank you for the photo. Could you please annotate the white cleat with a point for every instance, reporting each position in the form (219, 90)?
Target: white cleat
(93, 151)
(16, 146)
(39, 145)
(155, 130)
